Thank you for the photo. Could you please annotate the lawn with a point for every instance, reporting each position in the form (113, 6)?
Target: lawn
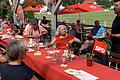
(105, 17)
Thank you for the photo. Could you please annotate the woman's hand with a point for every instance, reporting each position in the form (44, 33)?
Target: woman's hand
(71, 41)
(94, 37)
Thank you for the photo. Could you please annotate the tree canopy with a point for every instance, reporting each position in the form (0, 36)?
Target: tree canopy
(5, 7)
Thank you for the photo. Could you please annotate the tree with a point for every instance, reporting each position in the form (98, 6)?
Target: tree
(33, 3)
(105, 3)
(4, 7)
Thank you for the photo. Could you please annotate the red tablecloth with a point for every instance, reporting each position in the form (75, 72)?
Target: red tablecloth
(53, 71)
(4, 42)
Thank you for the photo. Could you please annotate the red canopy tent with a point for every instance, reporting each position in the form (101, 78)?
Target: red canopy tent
(37, 8)
(78, 8)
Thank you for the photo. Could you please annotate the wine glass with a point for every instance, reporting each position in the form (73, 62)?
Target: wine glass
(46, 44)
(49, 54)
(55, 59)
(37, 46)
(63, 61)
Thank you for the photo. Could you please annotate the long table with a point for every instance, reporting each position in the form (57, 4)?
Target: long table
(53, 71)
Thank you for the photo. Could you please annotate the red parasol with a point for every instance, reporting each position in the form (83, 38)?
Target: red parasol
(78, 8)
(29, 8)
(38, 7)
(69, 11)
(86, 7)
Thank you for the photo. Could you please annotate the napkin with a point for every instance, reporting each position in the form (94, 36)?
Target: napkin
(80, 74)
(31, 50)
(5, 37)
(37, 53)
(63, 65)
(19, 36)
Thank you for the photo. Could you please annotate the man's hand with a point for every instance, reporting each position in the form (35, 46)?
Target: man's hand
(115, 35)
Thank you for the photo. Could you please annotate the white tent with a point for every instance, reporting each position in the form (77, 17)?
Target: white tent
(46, 10)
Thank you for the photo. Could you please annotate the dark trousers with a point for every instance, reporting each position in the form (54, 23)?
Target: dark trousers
(115, 48)
(103, 59)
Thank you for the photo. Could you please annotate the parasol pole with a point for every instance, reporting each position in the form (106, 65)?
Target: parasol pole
(53, 9)
(14, 5)
(14, 14)
(79, 16)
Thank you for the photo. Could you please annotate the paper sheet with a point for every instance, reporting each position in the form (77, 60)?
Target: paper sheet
(37, 53)
(80, 74)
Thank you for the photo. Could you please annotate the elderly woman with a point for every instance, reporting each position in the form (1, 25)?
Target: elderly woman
(14, 69)
(63, 39)
(34, 30)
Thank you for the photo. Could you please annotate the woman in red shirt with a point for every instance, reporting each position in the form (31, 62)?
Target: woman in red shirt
(63, 39)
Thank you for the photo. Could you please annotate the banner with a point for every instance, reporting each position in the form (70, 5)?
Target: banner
(20, 14)
(100, 47)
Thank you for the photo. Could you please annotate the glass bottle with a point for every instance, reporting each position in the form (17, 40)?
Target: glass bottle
(89, 59)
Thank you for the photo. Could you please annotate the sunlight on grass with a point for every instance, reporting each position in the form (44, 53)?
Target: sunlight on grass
(105, 17)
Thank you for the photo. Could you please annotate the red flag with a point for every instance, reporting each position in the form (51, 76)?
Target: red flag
(20, 14)
(100, 47)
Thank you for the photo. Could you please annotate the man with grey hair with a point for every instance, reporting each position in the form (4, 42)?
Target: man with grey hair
(15, 69)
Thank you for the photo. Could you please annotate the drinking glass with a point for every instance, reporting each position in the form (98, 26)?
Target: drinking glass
(37, 46)
(55, 59)
(46, 45)
(63, 59)
(63, 62)
(49, 54)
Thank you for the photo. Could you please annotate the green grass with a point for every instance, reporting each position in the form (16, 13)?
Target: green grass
(105, 17)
